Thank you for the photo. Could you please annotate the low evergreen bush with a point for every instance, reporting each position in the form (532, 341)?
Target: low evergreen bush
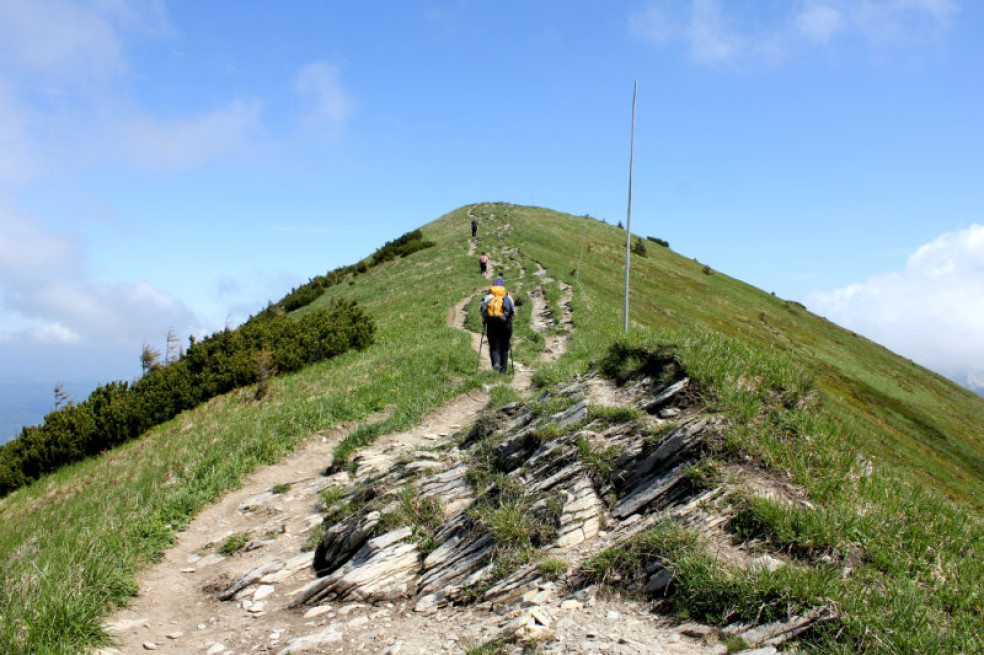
(119, 411)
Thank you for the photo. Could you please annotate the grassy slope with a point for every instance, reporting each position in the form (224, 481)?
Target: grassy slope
(806, 399)
(72, 542)
(904, 414)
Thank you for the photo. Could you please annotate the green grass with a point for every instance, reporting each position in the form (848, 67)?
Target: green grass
(805, 399)
(234, 544)
(73, 541)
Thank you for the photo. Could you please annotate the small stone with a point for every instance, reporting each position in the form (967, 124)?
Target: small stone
(263, 591)
(535, 597)
(257, 608)
(350, 608)
(358, 621)
(125, 626)
(659, 581)
(149, 645)
(571, 604)
(313, 642)
(765, 563)
(428, 604)
(695, 630)
(215, 649)
(202, 626)
(317, 611)
(189, 570)
(613, 615)
(174, 635)
(208, 561)
(541, 616)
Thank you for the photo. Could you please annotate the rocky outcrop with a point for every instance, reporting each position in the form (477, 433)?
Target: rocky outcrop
(569, 497)
(383, 569)
(430, 529)
(342, 540)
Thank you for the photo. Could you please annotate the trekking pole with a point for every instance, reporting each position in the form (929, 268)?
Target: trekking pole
(478, 364)
(512, 362)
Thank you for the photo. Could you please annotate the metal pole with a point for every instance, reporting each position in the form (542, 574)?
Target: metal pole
(584, 236)
(628, 218)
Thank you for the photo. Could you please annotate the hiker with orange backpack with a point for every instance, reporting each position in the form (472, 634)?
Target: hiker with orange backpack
(497, 314)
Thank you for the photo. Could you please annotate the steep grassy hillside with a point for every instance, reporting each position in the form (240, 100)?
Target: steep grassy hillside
(902, 414)
(808, 399)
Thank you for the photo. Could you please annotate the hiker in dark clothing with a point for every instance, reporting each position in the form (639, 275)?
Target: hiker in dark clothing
(474, 228)
(483, 264)
(497, 314)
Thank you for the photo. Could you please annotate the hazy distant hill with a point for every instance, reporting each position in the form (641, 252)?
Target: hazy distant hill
(25, 402)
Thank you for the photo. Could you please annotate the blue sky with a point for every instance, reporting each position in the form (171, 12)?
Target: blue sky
(175, 165)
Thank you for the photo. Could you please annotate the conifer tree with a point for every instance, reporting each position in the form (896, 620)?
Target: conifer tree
(173, 352)
(62, 398)
(149, 359)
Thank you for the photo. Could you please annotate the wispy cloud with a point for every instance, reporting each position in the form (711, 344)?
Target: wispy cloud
(189, 142)
(820, 22)
(59, 39)
(72, 43)
(64, 94)
(715, 32)
(327, 105)
(930, 311)
(20, 160)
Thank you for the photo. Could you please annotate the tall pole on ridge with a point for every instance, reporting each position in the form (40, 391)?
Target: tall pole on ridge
(628, 218)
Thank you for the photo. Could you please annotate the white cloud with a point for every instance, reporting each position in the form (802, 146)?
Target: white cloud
(930, 312)
(59, 39)
(710, 38)
(820, 22)
(188, 142)
(56, 333)
(901, 22)
(64, 93)
(718, 32)
(327, 104)
(19, 161)
(46, 294)
(29, 253)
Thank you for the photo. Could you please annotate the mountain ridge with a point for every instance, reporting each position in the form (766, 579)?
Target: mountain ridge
(791, 381)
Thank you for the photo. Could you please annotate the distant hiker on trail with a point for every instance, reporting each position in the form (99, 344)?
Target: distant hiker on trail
(474, 228)
(483, 264)
(497, 314)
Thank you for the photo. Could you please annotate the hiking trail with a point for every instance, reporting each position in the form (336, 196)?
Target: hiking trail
(178, 609)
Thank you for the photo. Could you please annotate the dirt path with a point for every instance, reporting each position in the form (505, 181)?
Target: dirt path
(175, 610)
